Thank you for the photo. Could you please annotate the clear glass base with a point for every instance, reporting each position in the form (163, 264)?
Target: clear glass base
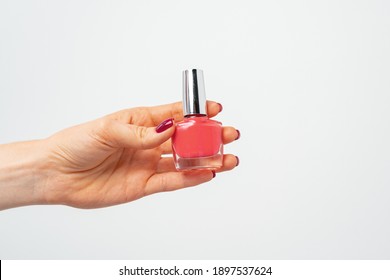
(211, 162)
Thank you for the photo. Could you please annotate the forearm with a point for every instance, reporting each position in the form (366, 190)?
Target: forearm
(21, 174)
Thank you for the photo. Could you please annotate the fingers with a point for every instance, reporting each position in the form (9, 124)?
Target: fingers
(229, 134)
(175, 111)
(166, 164)
(170, 181)
(229, 162)
(115, 133)
(166, 147)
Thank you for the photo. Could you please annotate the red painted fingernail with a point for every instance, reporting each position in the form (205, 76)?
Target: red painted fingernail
(213, 173)
(164, 125)
(238, 134)
(238, 160)
(220, 107)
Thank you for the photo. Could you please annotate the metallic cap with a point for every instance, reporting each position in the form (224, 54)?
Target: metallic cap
(194, 96)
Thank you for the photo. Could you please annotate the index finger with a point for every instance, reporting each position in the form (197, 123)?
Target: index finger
(175, 111)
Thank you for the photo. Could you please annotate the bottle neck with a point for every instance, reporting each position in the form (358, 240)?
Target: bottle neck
(195, 116)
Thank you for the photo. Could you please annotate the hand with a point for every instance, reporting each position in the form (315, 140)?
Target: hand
(117, 159)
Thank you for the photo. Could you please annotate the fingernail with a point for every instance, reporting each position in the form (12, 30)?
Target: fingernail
(220, 107)
(213, 173)
(238, 160)
(238, 134)
(164, 125)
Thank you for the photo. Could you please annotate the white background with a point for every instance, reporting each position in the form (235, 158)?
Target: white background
(306, 82)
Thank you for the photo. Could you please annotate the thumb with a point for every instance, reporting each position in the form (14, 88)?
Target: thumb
(122, 135)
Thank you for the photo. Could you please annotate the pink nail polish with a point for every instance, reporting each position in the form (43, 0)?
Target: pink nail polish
(197, 142)
(164, 125)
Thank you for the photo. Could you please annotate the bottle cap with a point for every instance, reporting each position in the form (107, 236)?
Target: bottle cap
(194, 95)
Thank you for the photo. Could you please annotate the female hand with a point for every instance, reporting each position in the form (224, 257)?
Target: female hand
(108, 161)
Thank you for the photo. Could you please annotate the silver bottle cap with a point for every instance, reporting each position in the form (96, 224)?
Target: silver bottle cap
(194, 95)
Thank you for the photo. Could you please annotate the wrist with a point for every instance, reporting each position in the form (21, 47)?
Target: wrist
(22, 174)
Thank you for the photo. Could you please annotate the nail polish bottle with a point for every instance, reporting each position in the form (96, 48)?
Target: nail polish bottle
(197, 141)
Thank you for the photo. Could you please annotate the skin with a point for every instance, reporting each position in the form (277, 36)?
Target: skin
(112, 160)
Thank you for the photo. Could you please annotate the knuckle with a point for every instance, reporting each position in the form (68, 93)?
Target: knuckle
(142, 133)
(102, 131)
(141, 116)
(163, 184)
(104, 126)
